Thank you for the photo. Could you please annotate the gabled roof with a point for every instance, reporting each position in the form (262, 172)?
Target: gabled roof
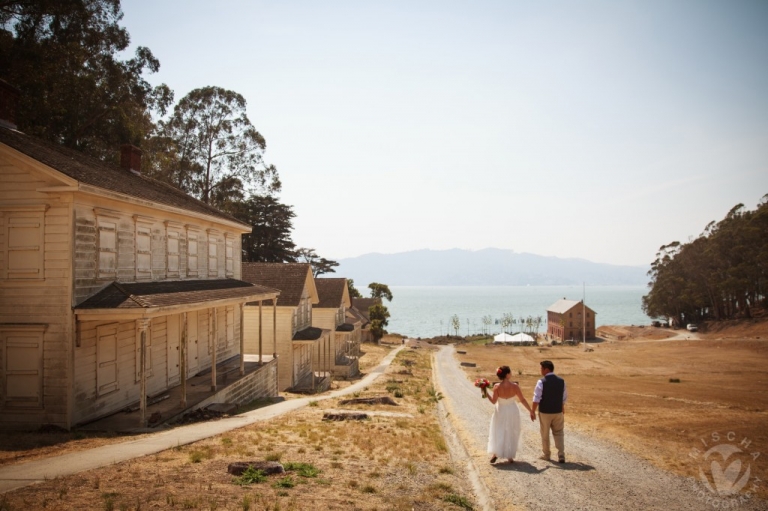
(90, 171)
(333, 293)
(289, 278)
(563, 306)
(362, 305)
(148, 295)
(355, 316)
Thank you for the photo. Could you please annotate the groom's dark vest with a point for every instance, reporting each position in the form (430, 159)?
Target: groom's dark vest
(552, 396)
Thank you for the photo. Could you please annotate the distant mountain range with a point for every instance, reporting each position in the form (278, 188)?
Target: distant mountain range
(487, 267)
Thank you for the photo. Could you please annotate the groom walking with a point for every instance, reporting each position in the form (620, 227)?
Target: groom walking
(549, 398)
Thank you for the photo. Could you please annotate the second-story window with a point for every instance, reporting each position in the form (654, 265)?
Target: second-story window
(106, 243)
(229, 249)
(24, 238)
(192, 251)
(213, 253)
(143, 247)
(172, 250)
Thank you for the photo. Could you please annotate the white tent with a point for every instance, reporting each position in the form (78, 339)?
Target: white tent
(514, 339)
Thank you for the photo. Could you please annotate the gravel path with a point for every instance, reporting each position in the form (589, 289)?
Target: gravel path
(597, 476)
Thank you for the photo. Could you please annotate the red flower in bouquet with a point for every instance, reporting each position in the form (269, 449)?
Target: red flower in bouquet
(483, 384)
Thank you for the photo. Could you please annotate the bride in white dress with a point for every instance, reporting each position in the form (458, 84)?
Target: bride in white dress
(504, 434)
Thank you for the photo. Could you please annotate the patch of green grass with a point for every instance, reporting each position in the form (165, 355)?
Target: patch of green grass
(286, 482)
(434, 395)
(226, 441)
(313, 403)
(250, 476)
(458, 500)
(302, 469)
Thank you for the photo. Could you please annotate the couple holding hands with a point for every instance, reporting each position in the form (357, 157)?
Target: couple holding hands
(549, 398)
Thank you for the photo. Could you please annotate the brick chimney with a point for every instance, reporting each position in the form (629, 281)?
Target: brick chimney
(9, 103)
(130, 158)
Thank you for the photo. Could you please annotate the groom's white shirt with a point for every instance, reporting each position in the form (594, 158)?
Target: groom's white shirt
(540, 389)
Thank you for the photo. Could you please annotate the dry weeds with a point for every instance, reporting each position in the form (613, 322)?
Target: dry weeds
(380, 463)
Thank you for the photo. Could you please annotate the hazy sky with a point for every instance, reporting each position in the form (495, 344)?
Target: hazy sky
(598, 130)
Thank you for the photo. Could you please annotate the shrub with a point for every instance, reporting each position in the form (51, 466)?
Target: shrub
(250, 476)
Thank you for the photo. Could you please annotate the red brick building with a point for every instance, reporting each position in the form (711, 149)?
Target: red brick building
(565, 320)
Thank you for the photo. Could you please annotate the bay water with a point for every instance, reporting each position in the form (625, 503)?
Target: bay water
(426, 311)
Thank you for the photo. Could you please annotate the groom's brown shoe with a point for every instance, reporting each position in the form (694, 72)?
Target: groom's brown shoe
(561, 459)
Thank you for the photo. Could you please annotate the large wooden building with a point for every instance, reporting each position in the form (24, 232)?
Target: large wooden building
(565, 319)
(113, 286)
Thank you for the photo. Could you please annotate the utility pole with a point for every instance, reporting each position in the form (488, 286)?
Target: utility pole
(584, 315)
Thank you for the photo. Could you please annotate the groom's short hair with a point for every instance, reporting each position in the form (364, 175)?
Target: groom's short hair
(549, 365)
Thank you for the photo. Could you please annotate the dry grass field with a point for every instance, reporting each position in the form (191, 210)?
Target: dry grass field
(662, 400)
(396, 459)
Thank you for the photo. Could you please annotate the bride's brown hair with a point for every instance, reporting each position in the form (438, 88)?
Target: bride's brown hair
(503, 371)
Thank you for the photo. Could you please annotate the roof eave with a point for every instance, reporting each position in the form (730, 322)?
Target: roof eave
(152, 312)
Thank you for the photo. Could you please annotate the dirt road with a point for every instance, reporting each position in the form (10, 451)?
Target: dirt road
(597, 476)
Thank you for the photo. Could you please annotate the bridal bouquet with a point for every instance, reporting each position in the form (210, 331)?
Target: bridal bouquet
(483, 384)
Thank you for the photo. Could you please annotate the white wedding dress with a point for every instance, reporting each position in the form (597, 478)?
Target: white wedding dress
(505, 429)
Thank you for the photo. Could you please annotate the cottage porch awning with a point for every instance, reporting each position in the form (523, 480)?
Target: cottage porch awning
(310, 335)
(150, 299)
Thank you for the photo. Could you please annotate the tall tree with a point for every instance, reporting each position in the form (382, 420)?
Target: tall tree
(320, 265)
(270, 241)
(63, 56)
(380, 291)
(215, 147)
(379, 316)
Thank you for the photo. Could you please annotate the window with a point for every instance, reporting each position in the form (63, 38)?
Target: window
(192, 236)
(173, 254)
(106, 242)
(24, 235)
(230, 260)
(106, 359)
(213, 252)
(22, 367)
(172, 250)
(143, 247)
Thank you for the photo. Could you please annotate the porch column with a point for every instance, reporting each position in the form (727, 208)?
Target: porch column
(214, 341)
(261, 330)
(242, 340)
(141, 326)
(274, 327)
(274, 343)
(184, 337)
(312, 366)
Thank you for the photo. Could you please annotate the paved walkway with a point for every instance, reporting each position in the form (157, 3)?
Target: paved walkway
(31, 472)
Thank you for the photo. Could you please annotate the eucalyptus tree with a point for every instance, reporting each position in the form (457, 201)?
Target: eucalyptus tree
(215, 147)
(76, 89)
